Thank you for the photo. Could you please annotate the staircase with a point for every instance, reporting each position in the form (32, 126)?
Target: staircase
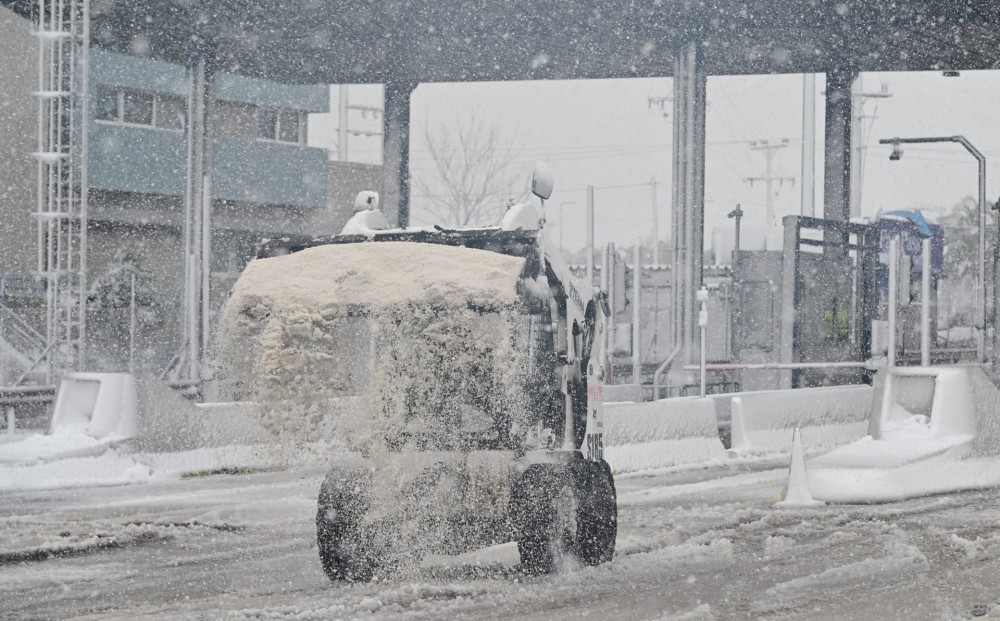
(21, 349)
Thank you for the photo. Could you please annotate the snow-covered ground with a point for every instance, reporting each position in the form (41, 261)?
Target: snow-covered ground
(694, 543)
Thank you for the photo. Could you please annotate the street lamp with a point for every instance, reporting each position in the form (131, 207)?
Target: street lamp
(897, 153)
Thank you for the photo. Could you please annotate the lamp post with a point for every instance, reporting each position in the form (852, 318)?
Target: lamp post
(896, 154)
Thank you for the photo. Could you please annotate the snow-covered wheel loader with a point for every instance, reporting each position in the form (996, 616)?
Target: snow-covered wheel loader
(463, 371)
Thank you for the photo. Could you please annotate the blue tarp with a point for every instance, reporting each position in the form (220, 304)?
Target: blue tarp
(912, 230)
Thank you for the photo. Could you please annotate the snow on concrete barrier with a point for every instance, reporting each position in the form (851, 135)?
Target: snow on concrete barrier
(657, 434)
(828, 417)
(932, 430)
(100, 405)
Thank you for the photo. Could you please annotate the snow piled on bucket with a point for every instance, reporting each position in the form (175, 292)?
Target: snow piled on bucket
(346, 341)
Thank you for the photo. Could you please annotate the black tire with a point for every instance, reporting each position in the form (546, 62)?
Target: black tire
(344, 548)
(563, 515)
(598, 517)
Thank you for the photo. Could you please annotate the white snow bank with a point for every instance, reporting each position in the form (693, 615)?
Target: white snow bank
(828, 417)
(109, 468)
(658, 434)
(64, 443)
(68, 459)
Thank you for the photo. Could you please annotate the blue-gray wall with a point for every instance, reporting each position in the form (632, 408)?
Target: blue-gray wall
(152, 161)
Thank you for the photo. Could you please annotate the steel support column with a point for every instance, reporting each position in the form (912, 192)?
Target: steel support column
(687, 207)
(837, 156)
(197, 228)
(395, 199)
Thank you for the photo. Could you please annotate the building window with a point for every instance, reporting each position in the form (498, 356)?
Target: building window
(137, 108)
(106, 104)
(280, 125)
(288, 126)
(170, 112)
(267, 124)
(132, 107)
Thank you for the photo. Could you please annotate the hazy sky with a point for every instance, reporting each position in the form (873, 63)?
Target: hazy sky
(604, 133)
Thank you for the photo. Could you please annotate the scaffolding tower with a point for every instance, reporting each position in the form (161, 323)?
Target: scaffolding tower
(63, 31)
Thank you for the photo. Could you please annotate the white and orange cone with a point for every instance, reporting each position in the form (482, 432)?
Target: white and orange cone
(796, 493)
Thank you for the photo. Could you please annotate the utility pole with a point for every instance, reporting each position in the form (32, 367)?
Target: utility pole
(859, 138)
(343, 124)
(656, 220)
(769, 149)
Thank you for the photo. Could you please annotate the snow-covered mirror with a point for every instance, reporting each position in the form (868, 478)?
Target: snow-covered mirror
(542, 180)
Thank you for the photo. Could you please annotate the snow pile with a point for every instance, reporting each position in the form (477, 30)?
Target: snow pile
(108, 468)
(663, 433)
(347, 340)
(829, 417)
(62, 444)
(67, 461)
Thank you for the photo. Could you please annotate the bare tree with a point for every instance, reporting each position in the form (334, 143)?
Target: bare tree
(472, 174)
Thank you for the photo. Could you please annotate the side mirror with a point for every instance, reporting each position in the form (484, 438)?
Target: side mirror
(366, 201)
(542, 180)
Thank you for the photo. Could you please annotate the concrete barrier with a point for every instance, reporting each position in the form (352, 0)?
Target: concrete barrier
(828, 417)
(100, 405)
(657, 434)
(932, 430)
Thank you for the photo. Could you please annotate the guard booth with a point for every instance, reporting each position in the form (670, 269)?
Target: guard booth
(803, 316)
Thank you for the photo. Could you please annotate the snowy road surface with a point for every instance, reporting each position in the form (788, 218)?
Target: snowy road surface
(696, 544)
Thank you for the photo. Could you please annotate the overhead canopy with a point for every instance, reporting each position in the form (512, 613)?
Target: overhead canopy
(371, 41)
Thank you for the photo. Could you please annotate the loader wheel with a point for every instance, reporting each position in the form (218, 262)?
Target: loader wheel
(599, 513)
(343, 545)
(564, 515)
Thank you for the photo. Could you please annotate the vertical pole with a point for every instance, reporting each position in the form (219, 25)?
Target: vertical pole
(925, 307)
(981, 315)
(84, 155)
(131, 329)
(857, 118)
(636, 314)
(10, 419)
(808, 186)
(656, 220)
(590, 236)
(342, 122)
(194, 208)
(206, 217)
(193, 370)
(703, 325)
(695, 183)
(606, 288)
(395, 199)
(837, 156)
(893, 293)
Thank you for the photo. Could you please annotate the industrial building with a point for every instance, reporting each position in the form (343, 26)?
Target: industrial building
(267, 183)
